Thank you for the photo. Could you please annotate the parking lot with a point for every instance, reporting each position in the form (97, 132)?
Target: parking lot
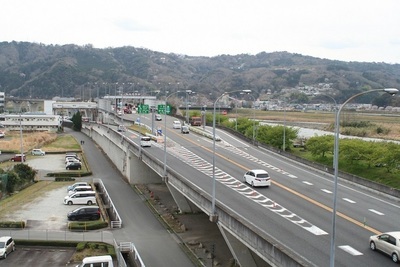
(46, 212)
(39, 257)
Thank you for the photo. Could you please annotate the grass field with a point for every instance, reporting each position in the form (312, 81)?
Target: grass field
(388, 122)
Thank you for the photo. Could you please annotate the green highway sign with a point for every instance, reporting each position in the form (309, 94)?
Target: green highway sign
(161, 109)
(143, 109)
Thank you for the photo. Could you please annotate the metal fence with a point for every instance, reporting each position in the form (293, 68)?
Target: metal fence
(117, 223)
(58, 235)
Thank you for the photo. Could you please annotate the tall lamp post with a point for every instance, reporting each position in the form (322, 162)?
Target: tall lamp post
(165, 134)
(391, 91)
(213, 215)
(254, 118)
(188, 92)
(336, 125)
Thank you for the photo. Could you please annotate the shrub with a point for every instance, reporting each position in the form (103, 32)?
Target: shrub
(12, 224)
(85, 226)
(81, 246)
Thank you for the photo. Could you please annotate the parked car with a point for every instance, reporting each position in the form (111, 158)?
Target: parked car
(80, 189)
(73, 166)
(71, 154)
(104, 260)
(81, 198)
(71, 187)
(19, 158)
(38, 152)
(388, 243)
(176, 125)
(158, 117)
(71, 159)
(257, 178)
(84, 214)
(185, 129)
(7, 245)
(145, 141)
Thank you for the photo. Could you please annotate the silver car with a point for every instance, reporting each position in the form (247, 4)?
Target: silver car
(388, 243)
(7, 246)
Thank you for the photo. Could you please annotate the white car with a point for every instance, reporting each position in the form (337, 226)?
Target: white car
(388, 243)
(257, 178)
(71, 159)
(71, 187)
(176, 125)
(7, 246)
(145, 141)
(158, 117)
(38, 152)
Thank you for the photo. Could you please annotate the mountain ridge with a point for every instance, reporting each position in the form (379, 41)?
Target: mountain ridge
(46, 71)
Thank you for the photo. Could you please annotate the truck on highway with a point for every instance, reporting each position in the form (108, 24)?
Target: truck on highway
(195, 121)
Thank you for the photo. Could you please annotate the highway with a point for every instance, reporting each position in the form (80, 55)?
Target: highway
(296, 209)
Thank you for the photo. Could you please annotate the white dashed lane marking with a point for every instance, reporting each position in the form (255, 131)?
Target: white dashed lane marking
(349, 200)
(326, 191)
(376, 212)
(351, 250)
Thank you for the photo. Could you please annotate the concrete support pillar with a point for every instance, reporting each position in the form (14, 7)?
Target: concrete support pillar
(180, 200)
(239, 251)
(138, 172)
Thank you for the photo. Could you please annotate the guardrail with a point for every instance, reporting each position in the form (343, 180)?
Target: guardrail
(205, 133)
(108, 201)
(134, 257)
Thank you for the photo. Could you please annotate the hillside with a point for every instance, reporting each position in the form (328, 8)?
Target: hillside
(32, 70)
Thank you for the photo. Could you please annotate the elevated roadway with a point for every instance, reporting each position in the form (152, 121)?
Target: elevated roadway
(290, 219)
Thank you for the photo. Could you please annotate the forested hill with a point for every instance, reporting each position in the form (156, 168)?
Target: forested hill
(45, 71)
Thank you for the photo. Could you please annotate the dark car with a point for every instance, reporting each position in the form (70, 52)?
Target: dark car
(74, 166)
(19, 158)
(84, 214)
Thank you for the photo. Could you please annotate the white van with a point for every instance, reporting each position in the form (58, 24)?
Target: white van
(82, 198)
(145, 141)
(97, 261)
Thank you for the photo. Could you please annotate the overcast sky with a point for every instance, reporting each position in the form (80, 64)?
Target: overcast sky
(348, 30)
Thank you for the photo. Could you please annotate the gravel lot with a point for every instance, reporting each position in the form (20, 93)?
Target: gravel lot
(47, 163)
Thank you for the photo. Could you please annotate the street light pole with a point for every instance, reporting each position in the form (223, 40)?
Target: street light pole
(213, 215)
(284, 127)
(336, 121)
(391, 91)
(165, 135)
(187, 106)
(254, 119)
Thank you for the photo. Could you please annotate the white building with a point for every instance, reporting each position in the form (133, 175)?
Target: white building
(31, 122)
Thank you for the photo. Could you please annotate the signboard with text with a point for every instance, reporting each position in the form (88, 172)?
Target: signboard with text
(161, 109)
(143, 109)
